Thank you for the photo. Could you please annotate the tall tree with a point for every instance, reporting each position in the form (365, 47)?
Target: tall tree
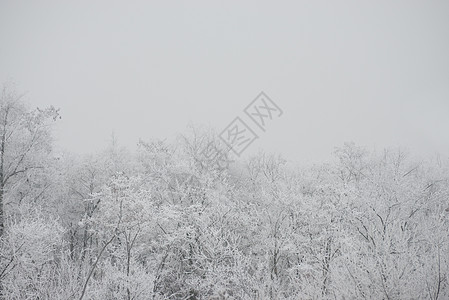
(24, 140)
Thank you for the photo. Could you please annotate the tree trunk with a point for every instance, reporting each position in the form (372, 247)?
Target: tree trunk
(2, 223)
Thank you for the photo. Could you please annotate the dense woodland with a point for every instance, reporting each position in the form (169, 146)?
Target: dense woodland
(160, 224)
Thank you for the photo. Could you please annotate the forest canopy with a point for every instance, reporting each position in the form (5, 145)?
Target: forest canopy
(158, 224)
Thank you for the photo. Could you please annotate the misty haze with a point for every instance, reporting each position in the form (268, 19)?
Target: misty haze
(224, 150)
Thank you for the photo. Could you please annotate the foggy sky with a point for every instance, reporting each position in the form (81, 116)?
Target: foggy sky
(374, 73)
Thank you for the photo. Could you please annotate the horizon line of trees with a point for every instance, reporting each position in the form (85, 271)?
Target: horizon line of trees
(157, 224)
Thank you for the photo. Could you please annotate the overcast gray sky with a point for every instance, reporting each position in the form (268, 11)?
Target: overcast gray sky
(374, 73)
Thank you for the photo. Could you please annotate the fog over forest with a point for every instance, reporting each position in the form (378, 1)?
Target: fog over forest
(224, 150)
